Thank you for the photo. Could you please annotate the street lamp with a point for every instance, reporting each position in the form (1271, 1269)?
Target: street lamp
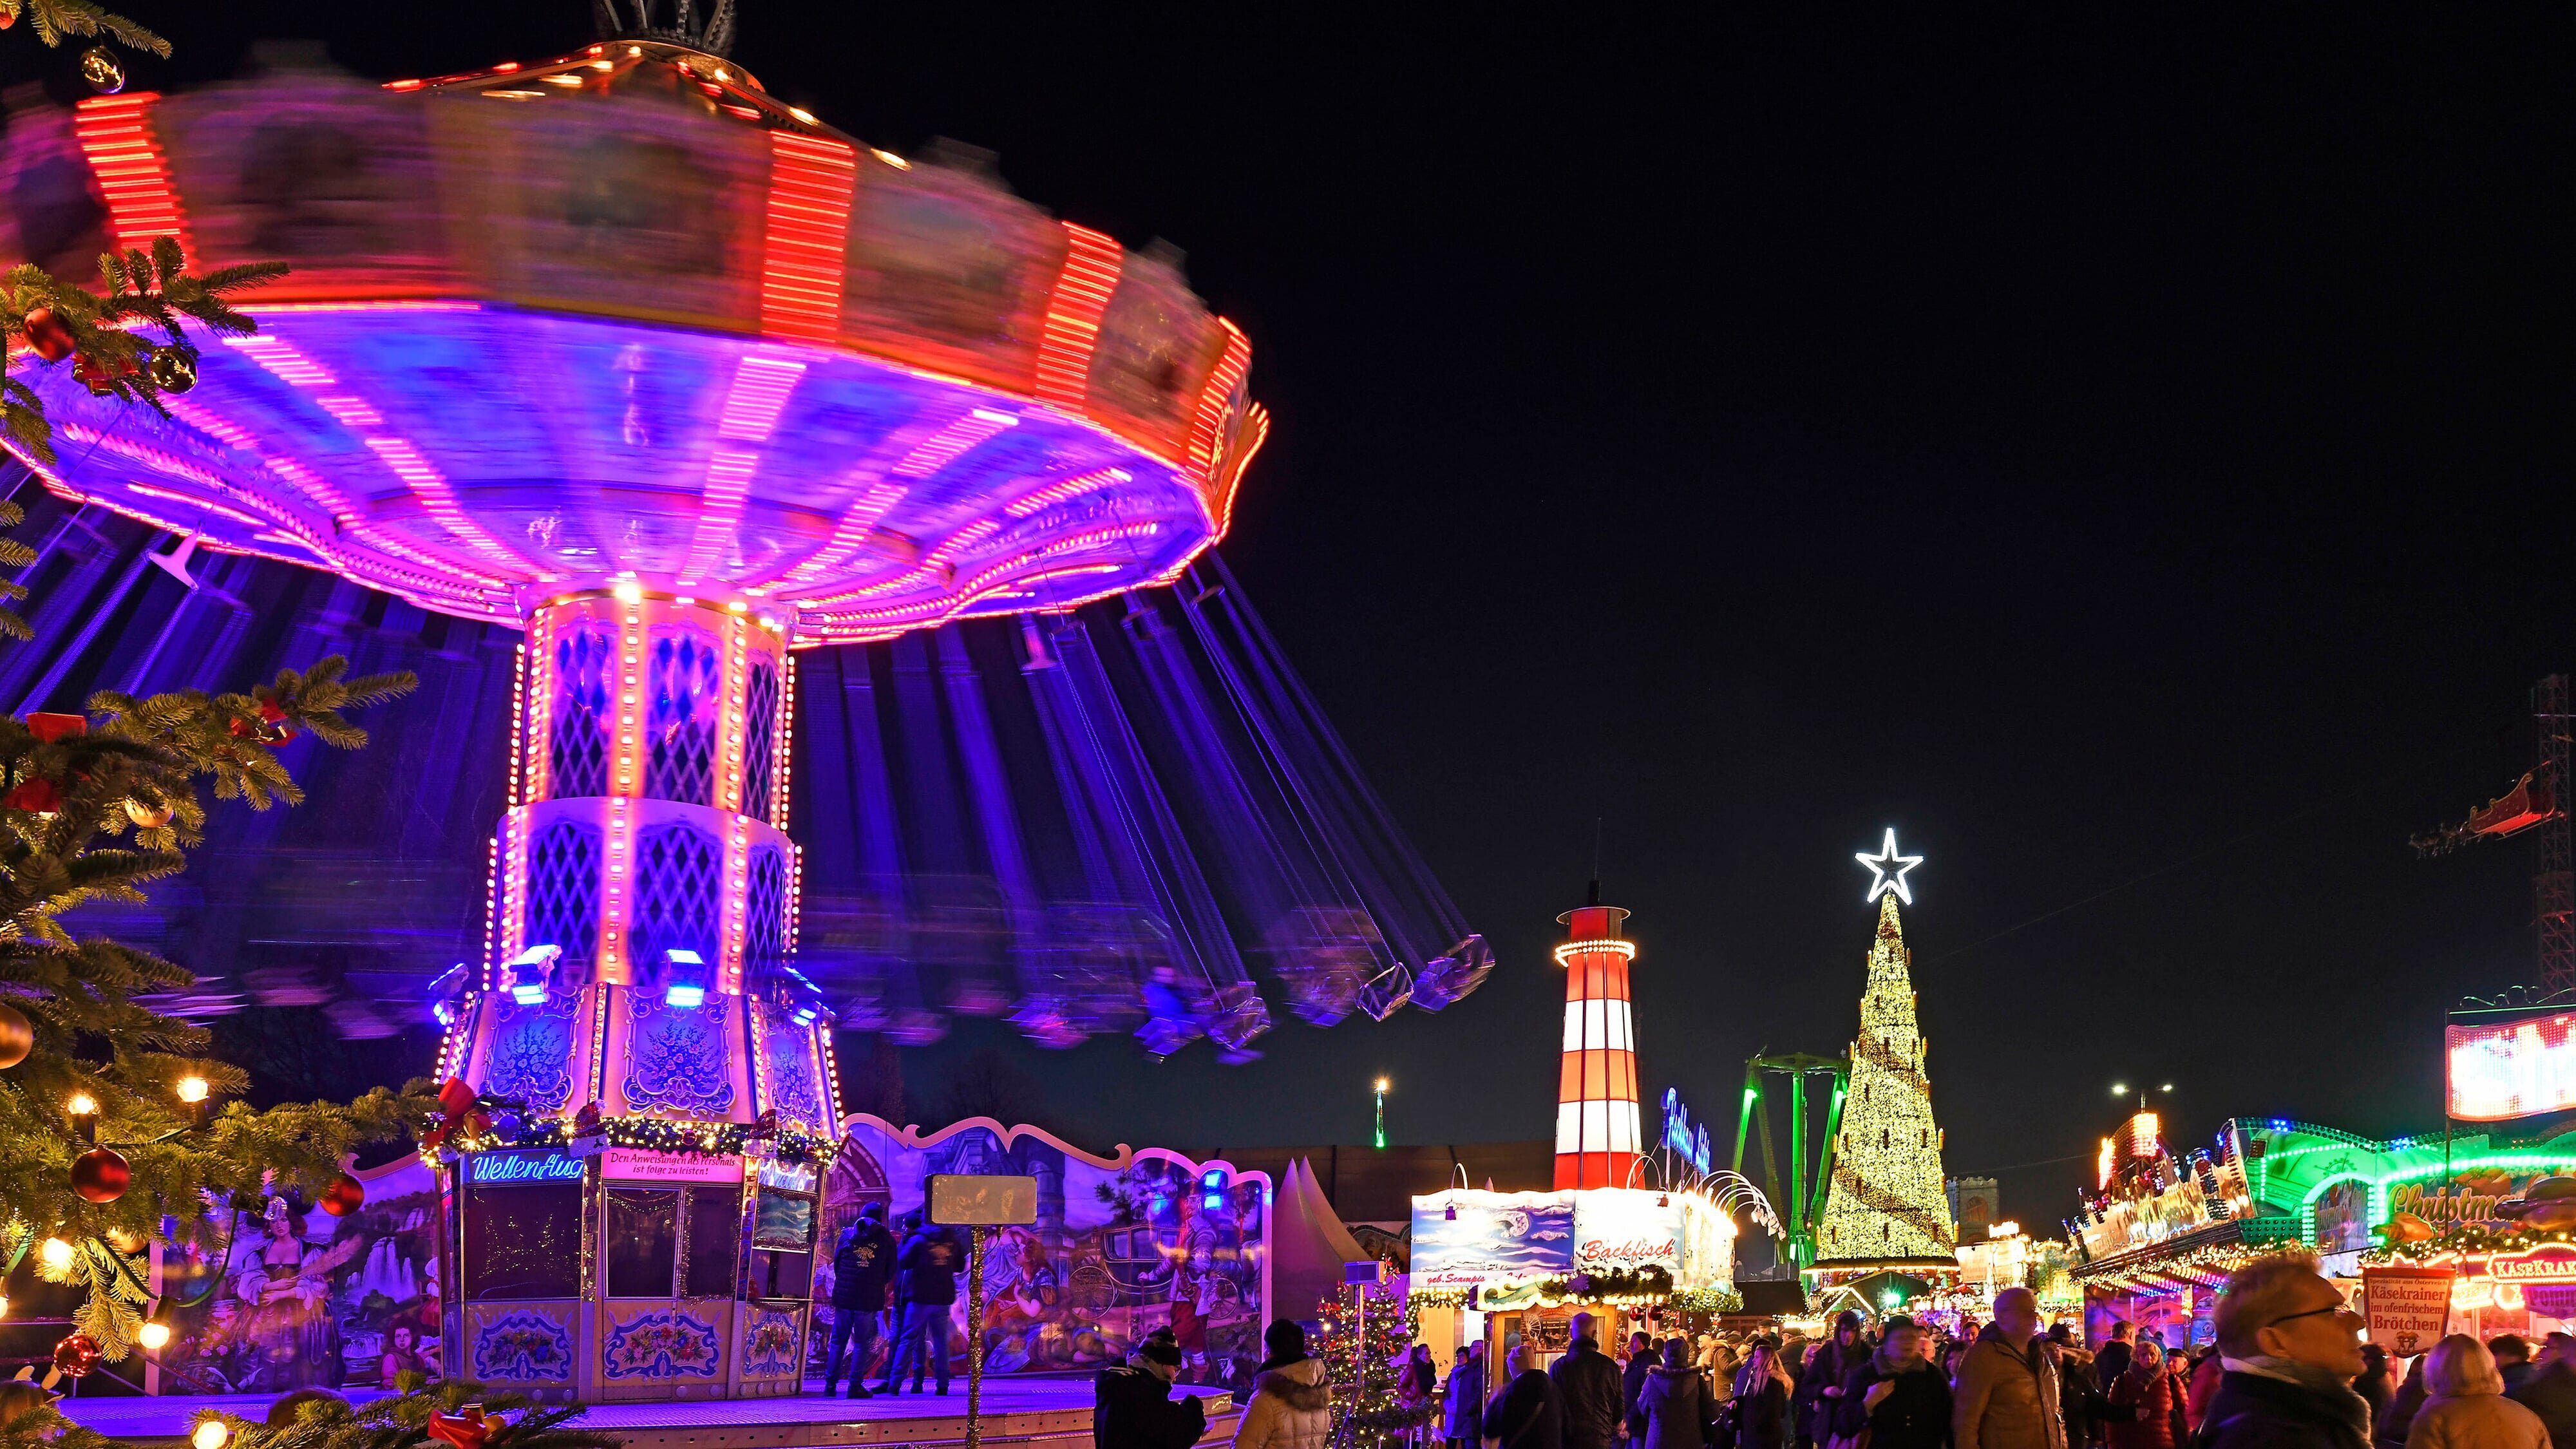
(1381, 1111)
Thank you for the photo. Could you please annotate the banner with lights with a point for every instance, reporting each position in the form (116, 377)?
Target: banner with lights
(2502, 1070)
(1508, 1243)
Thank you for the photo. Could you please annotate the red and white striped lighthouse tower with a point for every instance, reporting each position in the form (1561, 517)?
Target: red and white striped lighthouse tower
(1597, 1134)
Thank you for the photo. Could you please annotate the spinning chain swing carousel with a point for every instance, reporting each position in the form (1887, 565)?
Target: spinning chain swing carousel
(691, 389)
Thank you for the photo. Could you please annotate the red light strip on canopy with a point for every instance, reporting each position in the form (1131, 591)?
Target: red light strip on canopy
(1214, 398)
(1082, 291)
(116, 135)
(810, 180)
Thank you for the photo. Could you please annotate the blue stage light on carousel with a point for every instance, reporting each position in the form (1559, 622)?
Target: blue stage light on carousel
(685, 987)
(528, 974)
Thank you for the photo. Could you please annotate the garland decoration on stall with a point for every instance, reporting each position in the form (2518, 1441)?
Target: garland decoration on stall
(657, 1134)
(1616, 1285)
(1706, 1300)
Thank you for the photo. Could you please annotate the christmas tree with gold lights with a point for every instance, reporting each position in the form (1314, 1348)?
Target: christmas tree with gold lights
(1887, 1206)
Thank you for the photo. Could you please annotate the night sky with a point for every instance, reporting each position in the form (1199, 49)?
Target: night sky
(2127, 453)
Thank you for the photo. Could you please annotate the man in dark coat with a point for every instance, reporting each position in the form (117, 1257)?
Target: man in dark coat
(2113, 1360)
(1527, 1413)
(1588, 1391)
(2292, 1352)
(1132, 1407)
(1463, 1422)
(1896, 1394)
(930, 1261)
(2550, 1392)
(862, 1264)
(1632, 1379)
(2512, 1353)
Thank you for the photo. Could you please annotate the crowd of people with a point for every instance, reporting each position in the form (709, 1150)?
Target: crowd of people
(2287, 1370)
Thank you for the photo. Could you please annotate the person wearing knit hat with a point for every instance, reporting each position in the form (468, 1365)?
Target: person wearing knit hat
(1291, 1405)
(1133, 1408)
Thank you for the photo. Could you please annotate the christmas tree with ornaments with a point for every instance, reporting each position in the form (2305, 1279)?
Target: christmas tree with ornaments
(1888, 1205)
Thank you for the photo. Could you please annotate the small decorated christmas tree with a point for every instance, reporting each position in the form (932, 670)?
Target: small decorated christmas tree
(1367, 1330)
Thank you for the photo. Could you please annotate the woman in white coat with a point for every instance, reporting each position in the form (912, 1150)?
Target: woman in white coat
(1292, 1406)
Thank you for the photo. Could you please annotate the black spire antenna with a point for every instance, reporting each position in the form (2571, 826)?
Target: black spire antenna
(701, 25)
(1593, 898)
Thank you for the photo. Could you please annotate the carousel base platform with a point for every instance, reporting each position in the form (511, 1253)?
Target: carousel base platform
(1037, 1412)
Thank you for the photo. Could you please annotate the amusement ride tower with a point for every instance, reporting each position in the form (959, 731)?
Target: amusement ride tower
(1598, 1138)
(620, 350)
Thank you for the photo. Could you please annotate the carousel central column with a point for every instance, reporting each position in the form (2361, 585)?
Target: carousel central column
(1597, 1127)
(647, 827)
(669, 1076)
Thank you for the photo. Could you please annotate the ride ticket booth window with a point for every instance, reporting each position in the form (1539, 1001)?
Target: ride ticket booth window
(672, 1242)
(523, 1241)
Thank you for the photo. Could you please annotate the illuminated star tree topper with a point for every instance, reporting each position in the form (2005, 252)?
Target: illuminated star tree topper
(1887, 870)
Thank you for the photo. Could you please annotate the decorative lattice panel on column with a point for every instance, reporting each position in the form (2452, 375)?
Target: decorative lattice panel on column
(577, 749)
(687, 689)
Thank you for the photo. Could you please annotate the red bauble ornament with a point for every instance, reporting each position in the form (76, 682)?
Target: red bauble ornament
(48, 334)
(75, 1356)
(100, 1175)
(38, 795)
(273, 729)
(344, 1196)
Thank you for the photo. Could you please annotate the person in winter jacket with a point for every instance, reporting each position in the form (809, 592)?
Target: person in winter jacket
(1133, 1408)
(2006, 1394)
(1463, 1422)
(2079, 1394)
(1527, 1413)
(1588, 1390)
(2467, 1408)
(2204, 1387)
(1291, 1405)
(2113, 1360)
(1674, 1402)
(1632, 1377)
(2378, 1381)
(1819, 1390)
(1762, 1401)
(929, 1262)
(2512, 1353)
(2389, 1431)
(862, 1264)
(2550, 1392)
(1896, 1394)
(2145, 1388)
(2291, 1351)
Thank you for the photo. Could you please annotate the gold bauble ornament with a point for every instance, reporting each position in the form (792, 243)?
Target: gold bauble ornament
(173, 371)
(104, 72)
(17, 1036)
(149, 817)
